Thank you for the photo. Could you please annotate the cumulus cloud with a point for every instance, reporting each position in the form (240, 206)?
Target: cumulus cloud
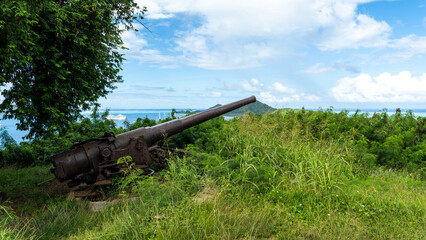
(362, 31)
(242, 34)
(247, 86)
(251, 86)
(278, 87)
(276, 92)
(256, 82)
(133, 42)
(383, 88)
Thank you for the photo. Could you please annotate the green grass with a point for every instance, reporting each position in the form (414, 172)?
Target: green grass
(14, 179)
(18, 187)
(261, 180)
(368, 208)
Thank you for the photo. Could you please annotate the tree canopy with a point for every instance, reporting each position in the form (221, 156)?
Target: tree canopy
(57, 57)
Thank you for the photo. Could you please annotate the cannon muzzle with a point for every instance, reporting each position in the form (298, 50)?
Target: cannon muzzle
(84, 161)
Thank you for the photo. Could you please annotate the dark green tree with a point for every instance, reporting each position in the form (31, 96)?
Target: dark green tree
(57, 57)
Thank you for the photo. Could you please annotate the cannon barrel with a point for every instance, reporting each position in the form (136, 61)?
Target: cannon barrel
(90, 157)
(155, 133)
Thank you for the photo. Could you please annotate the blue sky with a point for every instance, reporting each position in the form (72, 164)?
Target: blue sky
(288, 53)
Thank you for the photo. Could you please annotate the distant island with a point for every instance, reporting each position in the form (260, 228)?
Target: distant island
(256, 108)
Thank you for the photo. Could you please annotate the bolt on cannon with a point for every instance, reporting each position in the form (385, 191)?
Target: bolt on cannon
(85, 161)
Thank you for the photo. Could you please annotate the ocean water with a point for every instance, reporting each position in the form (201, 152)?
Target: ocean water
(131, 116)
(156, 114)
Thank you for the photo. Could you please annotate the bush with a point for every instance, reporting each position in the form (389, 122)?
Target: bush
(394, 141)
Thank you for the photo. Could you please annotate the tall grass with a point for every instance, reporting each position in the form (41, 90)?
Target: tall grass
(263, 178)
(260, 153)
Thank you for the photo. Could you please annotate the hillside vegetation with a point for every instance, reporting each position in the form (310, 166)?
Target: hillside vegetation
(257, 108)
(293, 175)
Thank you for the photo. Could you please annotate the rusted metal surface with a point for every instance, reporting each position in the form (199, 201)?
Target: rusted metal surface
(84, 161)
(158, 156)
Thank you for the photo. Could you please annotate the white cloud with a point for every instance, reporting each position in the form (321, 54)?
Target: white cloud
(278, 87)
(138, 48)
(156, 57)
(311, 97)
(268, 97)
(248, 87)
(276, 93)
(409, 46)
(133, 42)
(242, 34)
(383, 88)
(159, 16)
(202, 51)
(256, 82)
(363, 31)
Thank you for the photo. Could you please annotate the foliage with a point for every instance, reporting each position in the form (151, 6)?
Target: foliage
(7, 214)
(254, 153)
(395, 141)
(256, 107)
(11, 152)
(130, 175)
(58, 57)
(270, 177)
(145, 122)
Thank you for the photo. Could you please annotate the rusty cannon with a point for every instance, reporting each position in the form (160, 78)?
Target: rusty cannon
(85, 161)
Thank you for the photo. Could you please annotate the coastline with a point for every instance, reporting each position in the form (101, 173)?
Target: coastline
(155, 114)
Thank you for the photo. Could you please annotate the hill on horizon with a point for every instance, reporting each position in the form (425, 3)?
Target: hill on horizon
(256, 108)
